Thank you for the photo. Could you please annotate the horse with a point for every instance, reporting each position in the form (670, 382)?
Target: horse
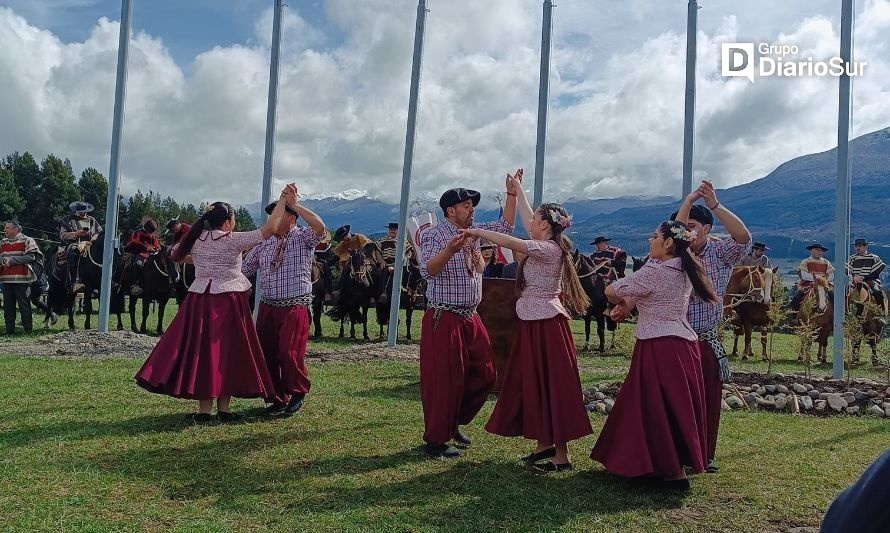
(89, 270)
(154, 280)
(185, 278)
(872, 327)
(817, 312)
(595, 288)
(320, 289)
(747, 304)
(413, 288)
(356, 288)
(59, 299)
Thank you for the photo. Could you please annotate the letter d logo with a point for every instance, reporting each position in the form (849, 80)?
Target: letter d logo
(738, 60)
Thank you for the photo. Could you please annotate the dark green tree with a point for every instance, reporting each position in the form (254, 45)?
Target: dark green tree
(243, 220)
(12, 205)
(57, 189)
(93, 188)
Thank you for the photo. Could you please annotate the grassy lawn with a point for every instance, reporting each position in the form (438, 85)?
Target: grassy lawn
(81, 447)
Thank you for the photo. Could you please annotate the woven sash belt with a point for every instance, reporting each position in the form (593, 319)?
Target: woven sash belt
(304, 299)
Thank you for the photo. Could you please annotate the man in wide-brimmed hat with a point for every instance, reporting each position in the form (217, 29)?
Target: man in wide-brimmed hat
(348, 242)
(610, 260)
(283, 266)
(864, 269)
(812, 268)
(77, 231)
(176, 230)
(757, 257)
(456, 369)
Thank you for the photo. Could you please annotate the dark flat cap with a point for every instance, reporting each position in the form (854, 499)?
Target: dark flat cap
(458, 195)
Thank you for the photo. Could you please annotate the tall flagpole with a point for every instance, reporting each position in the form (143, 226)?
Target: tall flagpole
(842, 191)
(407, 168)
(271, 119)
(112, 201)
(689, 119)
(543, 102)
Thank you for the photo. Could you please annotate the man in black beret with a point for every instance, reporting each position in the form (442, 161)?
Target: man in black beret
(456, 369)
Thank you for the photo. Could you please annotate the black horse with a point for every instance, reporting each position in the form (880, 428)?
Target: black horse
(154, 280)
(59, 299)
(321, 287)
(184, 280)
(356, 289)
(413, 289)
(595, 288)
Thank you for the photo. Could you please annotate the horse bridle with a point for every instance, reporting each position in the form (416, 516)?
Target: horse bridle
(595, 268)
(744, 297)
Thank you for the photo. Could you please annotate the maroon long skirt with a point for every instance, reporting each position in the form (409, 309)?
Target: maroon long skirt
(658, 422)
(541, 397)
(211, 349)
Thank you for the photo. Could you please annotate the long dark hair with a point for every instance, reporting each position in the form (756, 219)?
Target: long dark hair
(573, 294)
(701, 284)
(214, 216)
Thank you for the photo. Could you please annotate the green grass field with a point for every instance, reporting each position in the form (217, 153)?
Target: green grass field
(83, 448)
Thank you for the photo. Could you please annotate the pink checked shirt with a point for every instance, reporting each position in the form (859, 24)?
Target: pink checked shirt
(217, 259)
(542, 275)
(661, 290)
(718, 258)
(294, 275)
(454, 285)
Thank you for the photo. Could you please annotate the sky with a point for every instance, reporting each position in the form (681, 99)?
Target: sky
(199, 71)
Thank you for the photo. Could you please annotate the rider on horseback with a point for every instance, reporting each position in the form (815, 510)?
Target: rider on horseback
(144, 243)
(76, 231)
(610, 260)
(756, 257)
(865, 270)
(812, 268)
(176, 230)
(348, 242)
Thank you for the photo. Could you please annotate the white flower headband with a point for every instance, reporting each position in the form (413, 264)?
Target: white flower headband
(559, 218)
(683, 234)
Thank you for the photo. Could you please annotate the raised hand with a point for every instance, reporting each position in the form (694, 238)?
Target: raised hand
(706, 189)
(456, 243)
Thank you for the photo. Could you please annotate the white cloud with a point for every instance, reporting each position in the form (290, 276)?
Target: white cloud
(196, 131)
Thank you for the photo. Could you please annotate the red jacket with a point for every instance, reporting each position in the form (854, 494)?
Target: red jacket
(143, 243)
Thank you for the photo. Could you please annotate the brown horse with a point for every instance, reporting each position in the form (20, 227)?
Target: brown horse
(817, 312)
(747, 303)
(872, 327)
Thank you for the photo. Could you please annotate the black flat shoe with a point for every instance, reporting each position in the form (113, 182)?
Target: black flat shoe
(296, 403)
(198, 418)
(441, 450)
(533, 457)
(680, 485)
(712, 467)
(274, 409)
(228, 417)
(550, 466)
(462, 439)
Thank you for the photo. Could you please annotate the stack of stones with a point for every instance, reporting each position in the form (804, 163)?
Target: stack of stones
(781, 393)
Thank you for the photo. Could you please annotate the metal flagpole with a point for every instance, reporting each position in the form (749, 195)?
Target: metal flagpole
(842, 192)
(407, 167)
(111, 203)
(689, 121)
(543, 102)
(271, 115)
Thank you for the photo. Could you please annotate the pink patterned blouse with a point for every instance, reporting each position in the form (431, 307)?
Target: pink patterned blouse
(661, 290)
(542, 274)
(217, 259)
